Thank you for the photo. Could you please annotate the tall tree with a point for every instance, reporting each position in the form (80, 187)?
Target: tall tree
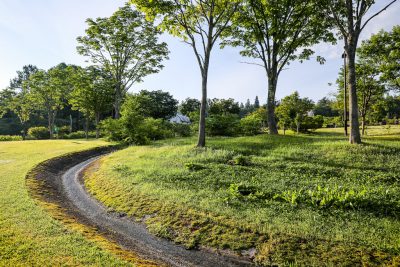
(199, 23)
(256, 103)
(276, 33)
(383, 49)
(370, 89)
(157, 104)
(49, 89)
(350, 18)
(293, 110)
(19, 101)
(92, 93)
(126, 46)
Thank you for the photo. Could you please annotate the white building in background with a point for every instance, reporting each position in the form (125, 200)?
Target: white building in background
(180, 118)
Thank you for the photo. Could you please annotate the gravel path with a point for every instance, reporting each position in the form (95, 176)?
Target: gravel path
(123, 230)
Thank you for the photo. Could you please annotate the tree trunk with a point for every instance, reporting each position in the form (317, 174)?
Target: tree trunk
(355, 137)
(272, 82)
(298, 127)
(363, 125)
(50, 121)
(203, 108)
(97, 125)
(118, 101)
(87, 126)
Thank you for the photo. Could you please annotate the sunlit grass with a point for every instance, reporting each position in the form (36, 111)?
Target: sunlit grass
(344, 202)
(29, 236)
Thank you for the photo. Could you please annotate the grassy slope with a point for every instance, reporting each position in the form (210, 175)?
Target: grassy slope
(203, 207)
(28, 235)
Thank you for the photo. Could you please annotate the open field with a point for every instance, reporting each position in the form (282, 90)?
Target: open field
(303, 199)
(28, 234)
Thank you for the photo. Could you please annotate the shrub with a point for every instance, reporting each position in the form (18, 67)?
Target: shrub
(10, 138)
(112, 129)
(223, 125)
(79, 135)
(253, 123)
(182, 130)
(39, 132)
(194, 166)
(63, 131)
(241, 160)
(311, 123)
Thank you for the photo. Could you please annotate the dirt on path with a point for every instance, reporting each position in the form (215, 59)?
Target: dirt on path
(59, 181)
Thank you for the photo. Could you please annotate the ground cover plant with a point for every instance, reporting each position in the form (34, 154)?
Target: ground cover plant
(295, 199)
(29, 236)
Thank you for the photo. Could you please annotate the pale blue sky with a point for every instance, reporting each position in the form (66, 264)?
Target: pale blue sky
(43, 33)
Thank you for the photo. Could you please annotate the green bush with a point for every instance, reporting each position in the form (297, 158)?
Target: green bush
(112, 129)
(79, 135)
(10, 138)
(311, 123)
(39, 132)
(63, 131)
(223, 125)
(132, 128)
(333, 122)
(182, 130)
(253, 123)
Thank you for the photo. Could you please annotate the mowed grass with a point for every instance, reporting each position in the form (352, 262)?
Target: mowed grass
(28, 234)
(302, 199)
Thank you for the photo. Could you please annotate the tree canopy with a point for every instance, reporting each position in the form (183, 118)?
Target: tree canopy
(276, 33)
(124, 45)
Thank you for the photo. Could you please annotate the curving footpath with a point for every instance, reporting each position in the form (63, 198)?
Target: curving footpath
(63, 183)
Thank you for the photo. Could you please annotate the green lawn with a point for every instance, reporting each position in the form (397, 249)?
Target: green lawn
(303, 199)
(29, 236)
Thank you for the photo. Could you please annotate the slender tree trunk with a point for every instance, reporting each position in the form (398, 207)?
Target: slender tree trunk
(87, 126)
(97, 125)
(50, 120)
(298, 127)
(118, 101)
(363, 124)
(272, 82)
(203, 108)
(23, 131)
(355, 137)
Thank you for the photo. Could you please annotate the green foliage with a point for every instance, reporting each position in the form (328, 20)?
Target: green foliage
(233, 206)
(10, 138)
(325, 107)
(49, 89)
(126, 30)
(194, 166)
(254, 123)
(78, 135)
(223, 125)
(223, 106)
(112, 129)
(181, 129)
(189, 106)
(39, 132)
(292, 113)
(133, 127)
(157, 104)
(92, 92)
(324, 197)
(241, 160)
(383, 48)
(311, 123)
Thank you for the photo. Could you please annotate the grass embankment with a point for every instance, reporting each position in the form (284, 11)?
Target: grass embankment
(307, 199)
(29, 236)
